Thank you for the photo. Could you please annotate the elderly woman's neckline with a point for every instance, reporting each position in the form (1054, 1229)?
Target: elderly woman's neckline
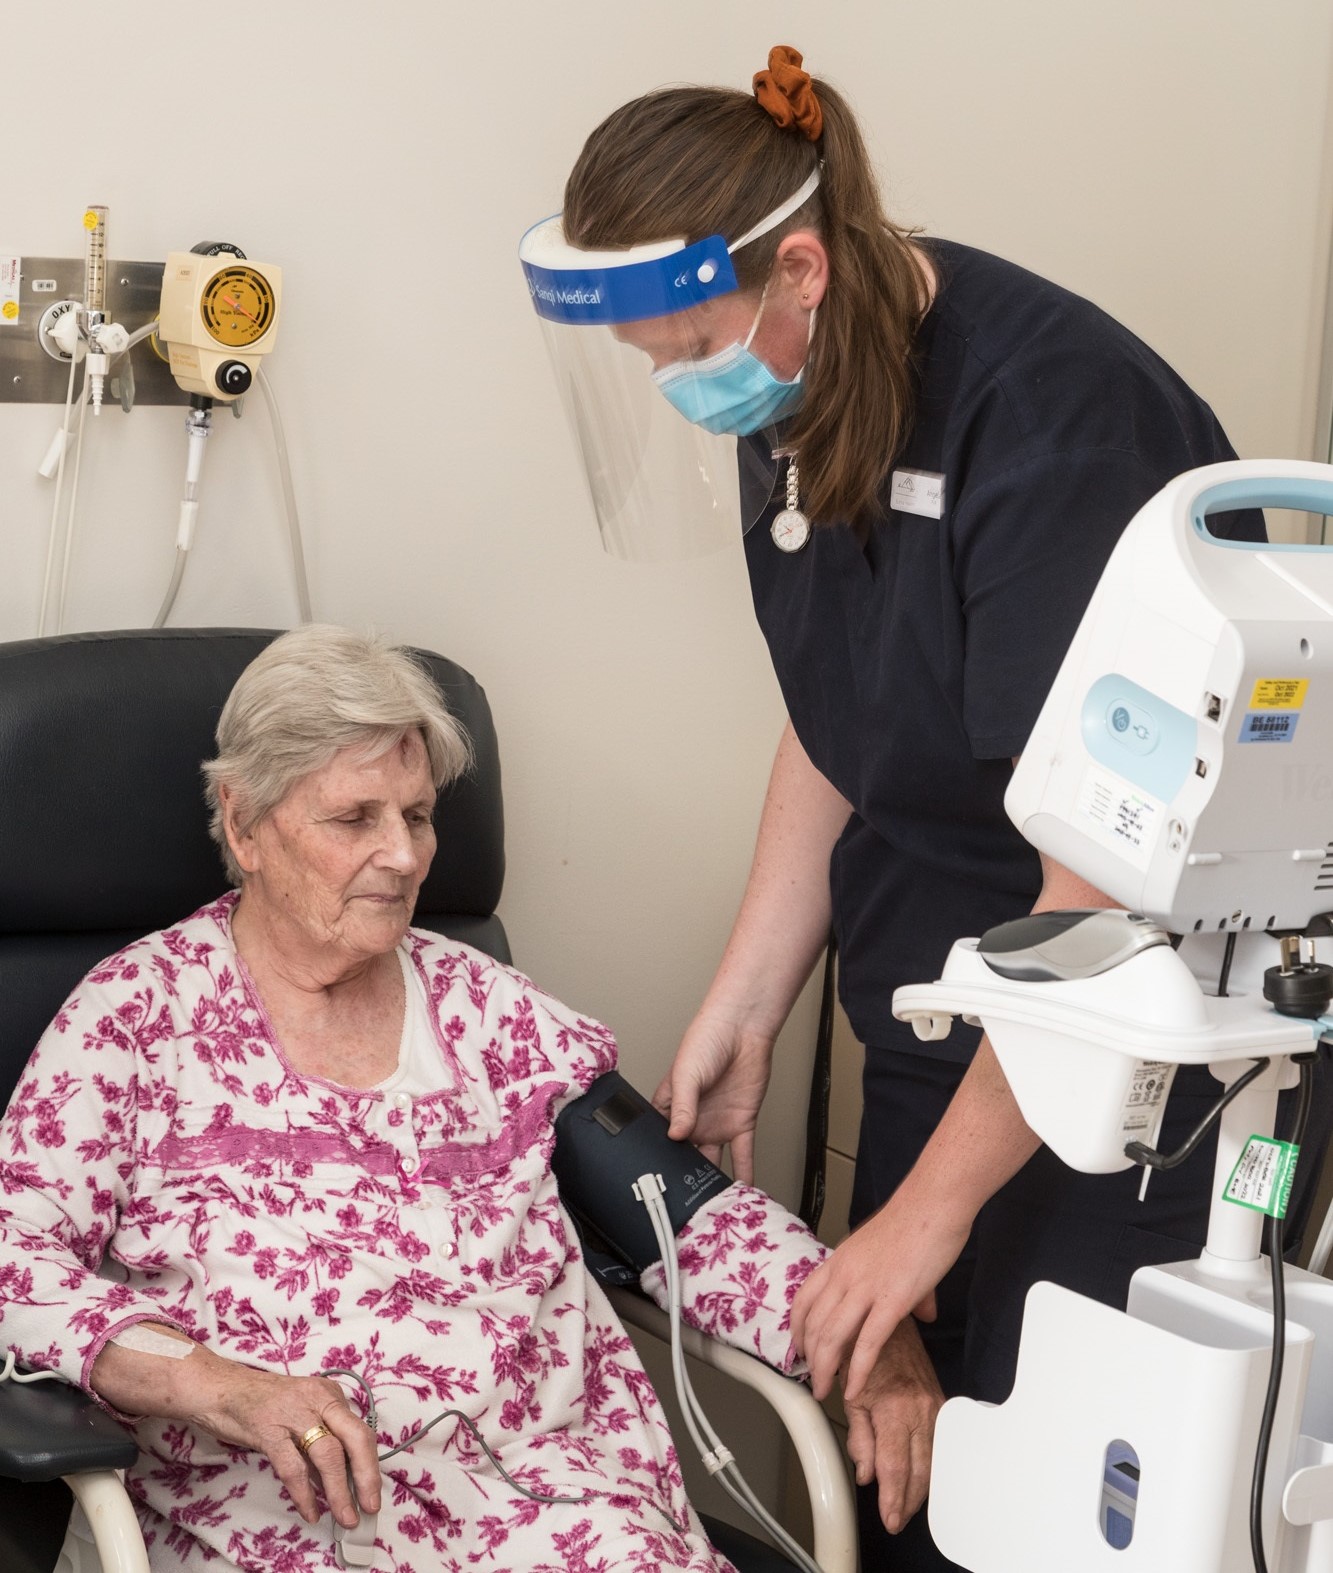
(346, 1029)
(276, 950)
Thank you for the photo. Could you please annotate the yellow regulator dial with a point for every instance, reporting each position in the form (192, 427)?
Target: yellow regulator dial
(237, 306)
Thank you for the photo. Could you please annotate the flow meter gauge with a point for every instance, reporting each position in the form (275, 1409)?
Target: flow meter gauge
(218, 316)
(238, 306)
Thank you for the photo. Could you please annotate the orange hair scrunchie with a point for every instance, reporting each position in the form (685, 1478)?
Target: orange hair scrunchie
(785, 91)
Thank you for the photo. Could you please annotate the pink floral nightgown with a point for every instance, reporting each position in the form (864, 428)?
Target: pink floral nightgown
(294, 1224)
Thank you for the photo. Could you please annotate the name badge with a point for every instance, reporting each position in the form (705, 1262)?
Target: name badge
(917, 491)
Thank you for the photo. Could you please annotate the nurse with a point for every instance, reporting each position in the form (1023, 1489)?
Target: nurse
(937, 452)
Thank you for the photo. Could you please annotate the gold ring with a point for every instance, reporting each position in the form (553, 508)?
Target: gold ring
(306, 1442)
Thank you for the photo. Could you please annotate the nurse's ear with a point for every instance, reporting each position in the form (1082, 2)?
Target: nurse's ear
(801, 263)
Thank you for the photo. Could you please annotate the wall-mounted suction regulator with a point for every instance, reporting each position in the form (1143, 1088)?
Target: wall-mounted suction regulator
(218, 317)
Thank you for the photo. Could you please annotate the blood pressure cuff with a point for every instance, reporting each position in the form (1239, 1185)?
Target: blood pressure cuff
(603, 1142)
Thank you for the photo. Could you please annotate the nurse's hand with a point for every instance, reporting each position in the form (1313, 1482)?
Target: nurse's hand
(891, 1425)
(716, 1084)
(847, 1309)
(853, 1300)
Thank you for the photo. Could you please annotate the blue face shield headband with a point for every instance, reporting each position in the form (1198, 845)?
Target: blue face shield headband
(569, 285)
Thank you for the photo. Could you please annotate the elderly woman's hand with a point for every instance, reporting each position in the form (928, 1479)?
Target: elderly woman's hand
(262, 1411)
(891, 1425)
(269, 1413)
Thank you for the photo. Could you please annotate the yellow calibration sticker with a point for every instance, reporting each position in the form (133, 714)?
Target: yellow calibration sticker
(11, 275)
(1279, 693)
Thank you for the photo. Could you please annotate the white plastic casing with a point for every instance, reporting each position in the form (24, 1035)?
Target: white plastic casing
(1178, 764)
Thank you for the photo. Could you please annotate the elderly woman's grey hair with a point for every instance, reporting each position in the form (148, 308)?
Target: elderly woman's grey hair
(310, 694)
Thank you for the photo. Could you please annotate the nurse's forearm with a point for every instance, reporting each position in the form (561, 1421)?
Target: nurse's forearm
(849, 1306)
(983, 1140)
(783, 922)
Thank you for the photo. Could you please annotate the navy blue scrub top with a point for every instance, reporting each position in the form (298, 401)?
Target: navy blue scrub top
(914, 668)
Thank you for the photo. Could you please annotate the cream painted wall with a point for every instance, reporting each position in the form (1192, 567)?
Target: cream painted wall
(1169, 161)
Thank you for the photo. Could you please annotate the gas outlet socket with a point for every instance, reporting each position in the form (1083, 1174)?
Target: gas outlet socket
(58, 331)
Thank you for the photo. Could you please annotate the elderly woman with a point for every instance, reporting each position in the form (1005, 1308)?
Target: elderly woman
(309, 1137)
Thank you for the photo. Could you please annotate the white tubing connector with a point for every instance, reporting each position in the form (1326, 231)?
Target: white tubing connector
(98, 362)
(185, 528)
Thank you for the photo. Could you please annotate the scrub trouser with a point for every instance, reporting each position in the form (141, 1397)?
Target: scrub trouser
(1087, 1232)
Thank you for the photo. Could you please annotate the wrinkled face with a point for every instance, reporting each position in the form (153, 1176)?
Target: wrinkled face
(337, 865)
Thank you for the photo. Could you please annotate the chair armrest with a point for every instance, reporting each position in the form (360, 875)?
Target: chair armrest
(111, 1518)
(832, 1504)
(49, 1429)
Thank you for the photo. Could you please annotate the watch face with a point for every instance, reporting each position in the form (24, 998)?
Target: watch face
(790, 530)
(237, 306)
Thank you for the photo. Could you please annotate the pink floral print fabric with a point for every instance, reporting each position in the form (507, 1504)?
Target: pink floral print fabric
(294, 1224)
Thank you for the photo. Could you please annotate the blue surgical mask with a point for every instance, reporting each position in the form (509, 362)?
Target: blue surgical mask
(730, 393)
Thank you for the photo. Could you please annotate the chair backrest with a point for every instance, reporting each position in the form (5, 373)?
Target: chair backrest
(103, 830)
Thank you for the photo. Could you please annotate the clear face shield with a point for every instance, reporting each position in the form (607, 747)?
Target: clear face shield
(673, 415)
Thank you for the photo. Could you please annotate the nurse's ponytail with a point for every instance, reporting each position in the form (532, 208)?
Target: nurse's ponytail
(858, 407)
(690, 162)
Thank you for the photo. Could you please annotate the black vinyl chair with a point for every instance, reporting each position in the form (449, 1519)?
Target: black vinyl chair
(103, 838)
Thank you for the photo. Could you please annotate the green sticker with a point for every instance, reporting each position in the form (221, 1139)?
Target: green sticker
(1262, 1177)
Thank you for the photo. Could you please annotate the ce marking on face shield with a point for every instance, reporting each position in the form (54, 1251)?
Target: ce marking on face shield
(705, 274)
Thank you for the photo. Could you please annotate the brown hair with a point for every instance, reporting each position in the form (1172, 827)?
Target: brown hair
(689, 162)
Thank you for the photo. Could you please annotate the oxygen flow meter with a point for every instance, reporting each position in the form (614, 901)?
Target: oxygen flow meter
(218, 316)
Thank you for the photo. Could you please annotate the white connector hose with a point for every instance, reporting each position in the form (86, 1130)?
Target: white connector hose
(116, 343)
(288, 495)
(60, 446)
(71, 509)
(10, 1374)
(198, 429)
(138, 336)
(55, 461)
(717, 1457)
(198, 424)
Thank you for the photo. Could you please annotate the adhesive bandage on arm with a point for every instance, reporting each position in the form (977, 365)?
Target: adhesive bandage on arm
(145, 1339)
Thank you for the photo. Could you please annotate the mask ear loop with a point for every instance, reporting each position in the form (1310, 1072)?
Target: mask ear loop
(798, 198)
(754, 326)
